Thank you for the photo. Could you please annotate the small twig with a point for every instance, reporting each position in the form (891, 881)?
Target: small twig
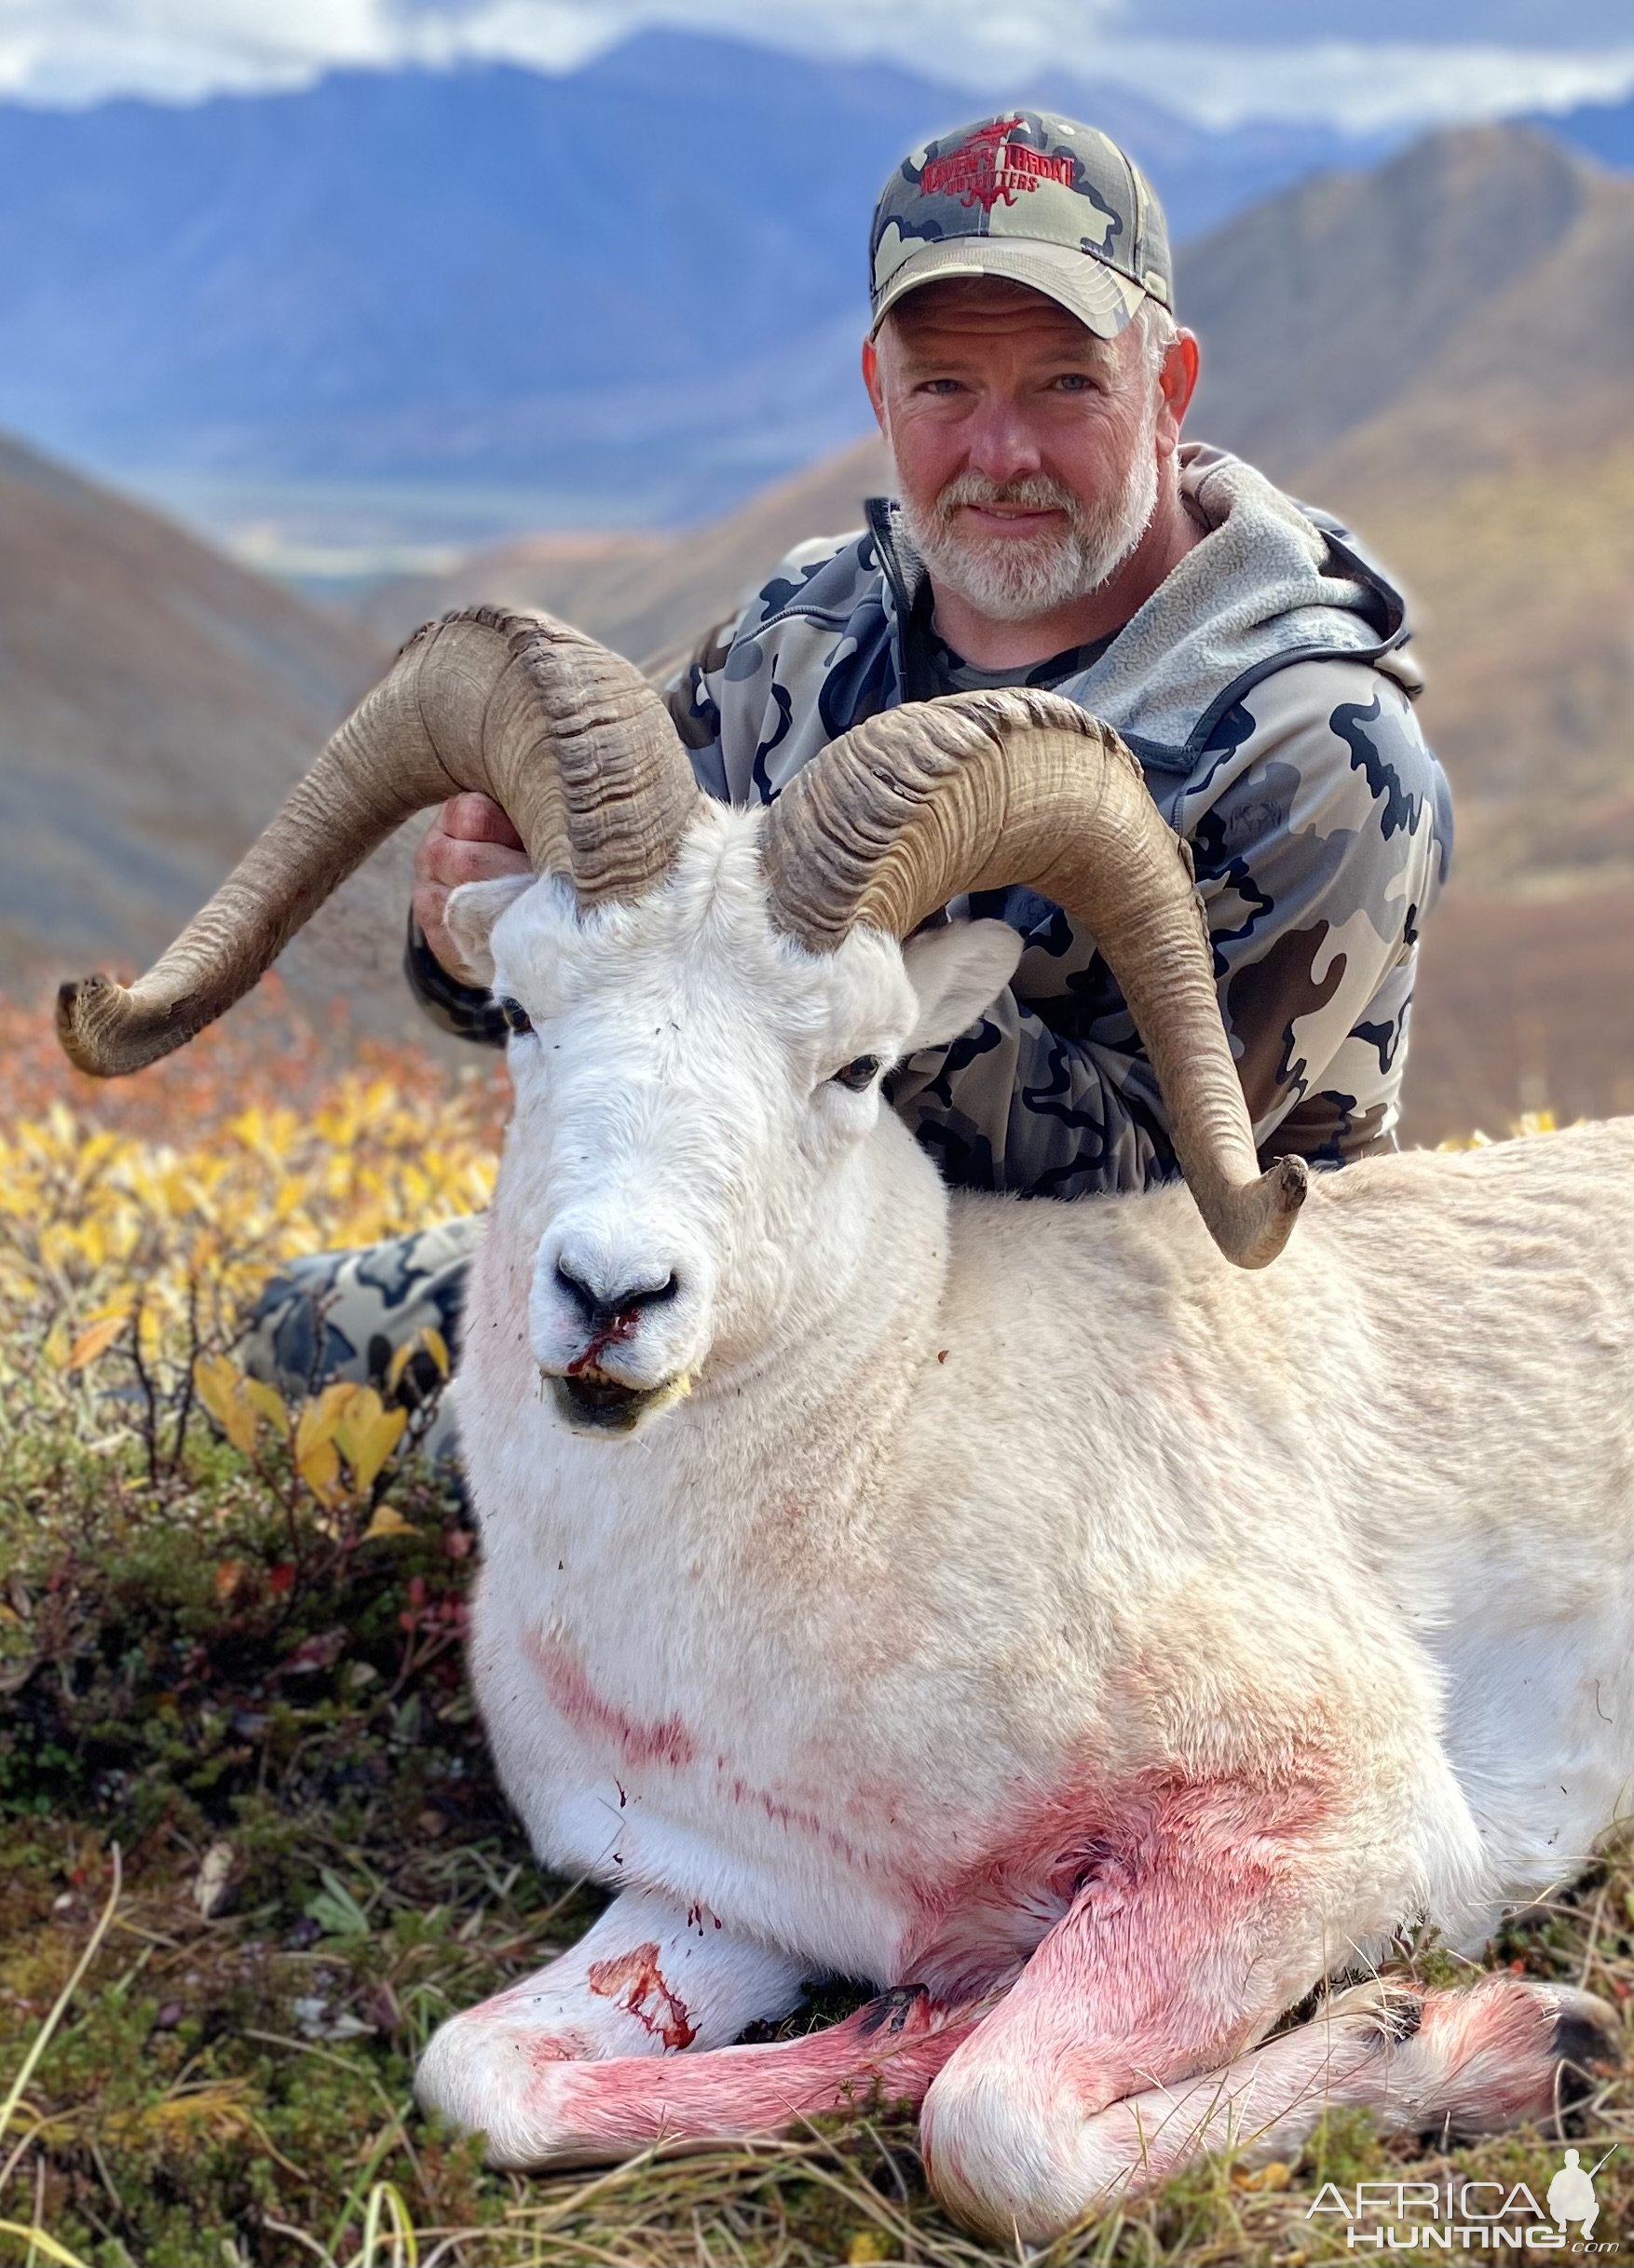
(185, 1409)
(108, 2181)
(1596, 1919)
(151, 1427)
(25, 2141)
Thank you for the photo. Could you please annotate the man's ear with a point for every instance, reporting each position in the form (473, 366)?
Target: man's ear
(1176, 384)
(872, 380)
(957, 971)
(470, 914)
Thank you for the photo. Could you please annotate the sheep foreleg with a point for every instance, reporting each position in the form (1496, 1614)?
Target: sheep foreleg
(580, 2062)
(647, 1978)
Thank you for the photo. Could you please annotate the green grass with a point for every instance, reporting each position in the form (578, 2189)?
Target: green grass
(269, 1725)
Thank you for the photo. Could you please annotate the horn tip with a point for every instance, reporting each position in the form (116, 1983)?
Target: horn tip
(1258, 1219)
(1292, 1177)
(94, 1025)
(1266, 1212)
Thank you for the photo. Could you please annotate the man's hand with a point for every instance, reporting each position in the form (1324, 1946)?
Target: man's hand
(469, 840)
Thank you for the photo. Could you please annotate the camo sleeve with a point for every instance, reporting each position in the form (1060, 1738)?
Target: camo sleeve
(1320, 827)
(691, 703)
(1318, 861)
(463, 1012)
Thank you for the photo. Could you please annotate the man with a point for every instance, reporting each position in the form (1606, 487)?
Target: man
(1051, 529)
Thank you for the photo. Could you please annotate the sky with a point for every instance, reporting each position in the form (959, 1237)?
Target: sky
(1389, 63)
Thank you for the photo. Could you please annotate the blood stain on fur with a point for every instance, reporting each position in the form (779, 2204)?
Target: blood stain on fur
(635, 1981)
(658, 1741)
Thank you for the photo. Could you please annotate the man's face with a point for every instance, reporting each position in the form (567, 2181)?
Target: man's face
(1027, 449)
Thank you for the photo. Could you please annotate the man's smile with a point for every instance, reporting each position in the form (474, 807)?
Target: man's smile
(1010, 519)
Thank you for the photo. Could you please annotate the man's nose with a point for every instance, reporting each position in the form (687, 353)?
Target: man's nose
(1000, 443)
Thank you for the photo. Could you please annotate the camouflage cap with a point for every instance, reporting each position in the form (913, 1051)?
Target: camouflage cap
(1033, 197)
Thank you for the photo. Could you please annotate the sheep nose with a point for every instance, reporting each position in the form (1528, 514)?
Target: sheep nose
(601, 1303)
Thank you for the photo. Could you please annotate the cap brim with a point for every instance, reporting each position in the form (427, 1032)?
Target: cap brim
(1103, 301)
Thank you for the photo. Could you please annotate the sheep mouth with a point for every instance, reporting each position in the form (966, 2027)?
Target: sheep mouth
(592, 1402)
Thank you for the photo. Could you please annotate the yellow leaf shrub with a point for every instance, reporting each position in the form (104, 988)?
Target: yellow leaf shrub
(145, 1215)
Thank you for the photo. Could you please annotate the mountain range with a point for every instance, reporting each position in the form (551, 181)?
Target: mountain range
(411, 308)
(419, 305)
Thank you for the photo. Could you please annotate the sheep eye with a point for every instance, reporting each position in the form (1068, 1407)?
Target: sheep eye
(859, 1073)
(516, 1017)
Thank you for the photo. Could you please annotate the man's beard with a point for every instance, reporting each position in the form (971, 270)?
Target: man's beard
(1012, 579)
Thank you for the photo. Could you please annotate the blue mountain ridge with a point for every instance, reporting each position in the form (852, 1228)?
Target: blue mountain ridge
(465, 301)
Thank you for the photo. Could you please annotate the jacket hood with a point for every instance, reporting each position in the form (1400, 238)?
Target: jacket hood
(1272, 582)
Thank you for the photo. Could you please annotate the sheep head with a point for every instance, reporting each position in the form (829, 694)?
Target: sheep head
(694, 1166)
(698, 1072)
(706, 1001)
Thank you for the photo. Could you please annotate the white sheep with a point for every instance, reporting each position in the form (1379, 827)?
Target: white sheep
(1095, 1645)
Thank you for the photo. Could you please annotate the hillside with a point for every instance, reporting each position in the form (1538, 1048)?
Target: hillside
(1441, 351)
(645, 595)
(1324, 310)
(1492, 467)
(158, 702)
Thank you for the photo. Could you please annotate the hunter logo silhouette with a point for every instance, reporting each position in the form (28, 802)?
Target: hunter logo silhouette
(987, 165)
(1571, 2193)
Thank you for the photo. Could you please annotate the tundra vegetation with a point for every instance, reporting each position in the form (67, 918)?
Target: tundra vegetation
(230, 1668)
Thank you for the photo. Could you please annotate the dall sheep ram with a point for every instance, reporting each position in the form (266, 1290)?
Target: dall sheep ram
(1097, 1645)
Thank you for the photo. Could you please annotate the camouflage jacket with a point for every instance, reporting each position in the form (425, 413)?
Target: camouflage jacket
(1264, 691)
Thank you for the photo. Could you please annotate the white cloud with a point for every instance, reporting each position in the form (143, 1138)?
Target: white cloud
(81, 50)
(1361, 87)
(78, 50)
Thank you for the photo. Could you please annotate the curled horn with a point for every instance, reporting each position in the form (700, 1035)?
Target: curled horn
(567, 736)
(977, 791)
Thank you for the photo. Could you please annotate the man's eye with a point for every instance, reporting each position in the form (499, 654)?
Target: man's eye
(1075, 382)
(940, 386)
(861, 1072)
(516, 1017)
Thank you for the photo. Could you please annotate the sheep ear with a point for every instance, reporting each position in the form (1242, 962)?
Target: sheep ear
(957, 971)
(470, 914)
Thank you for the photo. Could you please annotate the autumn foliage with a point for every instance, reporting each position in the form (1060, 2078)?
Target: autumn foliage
(137, 1220)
